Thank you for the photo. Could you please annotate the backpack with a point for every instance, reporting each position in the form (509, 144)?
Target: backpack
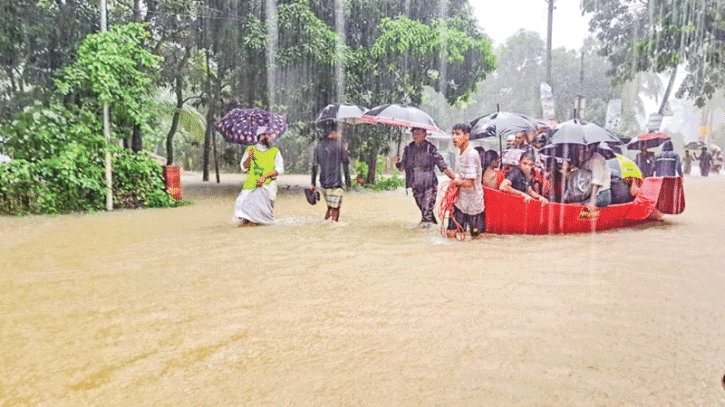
(578, 187)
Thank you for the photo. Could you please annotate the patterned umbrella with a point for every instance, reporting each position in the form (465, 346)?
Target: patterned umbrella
(243, 126)
(401, 116)
(649, 140)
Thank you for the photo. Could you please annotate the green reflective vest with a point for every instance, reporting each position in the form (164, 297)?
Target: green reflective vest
(263, 163)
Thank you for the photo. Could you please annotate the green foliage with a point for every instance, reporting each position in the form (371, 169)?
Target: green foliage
(19, 191)
(411, 54)
(115, 67)
(382, 183)
(68, 182)
(660, 35)
(304, 37)
(387, 183)
(58, 167)
(43, 132)
(361, 170)
(138, 181)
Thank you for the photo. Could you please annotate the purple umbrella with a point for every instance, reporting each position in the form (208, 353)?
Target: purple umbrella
(243, 126)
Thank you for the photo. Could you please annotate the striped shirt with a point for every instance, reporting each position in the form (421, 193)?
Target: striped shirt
(468, 166)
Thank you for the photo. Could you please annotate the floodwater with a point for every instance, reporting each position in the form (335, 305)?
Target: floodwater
(178, 307)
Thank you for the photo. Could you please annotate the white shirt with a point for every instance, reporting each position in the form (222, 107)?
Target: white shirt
(600, 171)
(468, 166)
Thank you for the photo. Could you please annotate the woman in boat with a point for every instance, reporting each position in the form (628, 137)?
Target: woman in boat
(492, 176)
(520, 180)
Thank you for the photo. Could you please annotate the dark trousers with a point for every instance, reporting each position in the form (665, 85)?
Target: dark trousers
(425, 198)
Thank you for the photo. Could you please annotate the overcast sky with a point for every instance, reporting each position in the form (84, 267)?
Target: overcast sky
(502, 18)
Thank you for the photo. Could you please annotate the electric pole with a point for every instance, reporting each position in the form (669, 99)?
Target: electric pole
(107, 128)
(548, 41)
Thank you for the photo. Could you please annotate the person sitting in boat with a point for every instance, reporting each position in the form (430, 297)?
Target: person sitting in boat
(667, 162)
(519, 180)
(554, 178)
(624, 189)
(510, 141)
(601, 195)
(492, 175)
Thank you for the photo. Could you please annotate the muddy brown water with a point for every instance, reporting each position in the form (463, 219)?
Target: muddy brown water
(178, 307)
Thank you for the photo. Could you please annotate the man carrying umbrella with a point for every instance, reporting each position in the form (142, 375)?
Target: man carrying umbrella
(255, 203)
(329, 157)
(705, 159)
(420, 158)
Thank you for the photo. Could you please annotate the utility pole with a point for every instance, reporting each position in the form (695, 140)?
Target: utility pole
(548, 40)
(107, 128)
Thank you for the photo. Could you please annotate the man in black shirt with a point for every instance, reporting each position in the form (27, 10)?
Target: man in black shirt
(419, 161)
(330, 157)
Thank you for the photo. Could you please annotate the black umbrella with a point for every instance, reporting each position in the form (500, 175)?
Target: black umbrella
(243, 126)
(594, 133)
(401, 116)
(579, 132)
(344, 112)
(502, 124)
(570, 135)
(695, 145)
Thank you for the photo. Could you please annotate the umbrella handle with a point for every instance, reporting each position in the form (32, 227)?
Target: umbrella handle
(400, 140)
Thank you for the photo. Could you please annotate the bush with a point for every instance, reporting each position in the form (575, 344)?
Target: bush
(393, 182)
(58, 168)
(381, 183)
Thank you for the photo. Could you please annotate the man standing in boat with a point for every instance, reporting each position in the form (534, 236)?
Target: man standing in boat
(468, 211)
(419, 161)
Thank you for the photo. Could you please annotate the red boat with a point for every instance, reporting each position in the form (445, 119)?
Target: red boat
(509, 214)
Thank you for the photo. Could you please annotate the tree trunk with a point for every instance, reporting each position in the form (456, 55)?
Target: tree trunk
(207, 143)
(13, 89)
(137, 139)
(137, 11)
(372, 162)
(209, 102)
(666, 96)
(174, 121)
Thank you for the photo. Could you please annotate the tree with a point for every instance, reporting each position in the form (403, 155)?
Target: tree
(408, 55)
(38, 38)
(115, 69)
(658, 35)
(514, 86)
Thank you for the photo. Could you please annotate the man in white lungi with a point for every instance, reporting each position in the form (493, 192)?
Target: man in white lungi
(255, 204)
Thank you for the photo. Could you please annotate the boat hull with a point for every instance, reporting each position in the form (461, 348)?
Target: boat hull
(509, 214)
